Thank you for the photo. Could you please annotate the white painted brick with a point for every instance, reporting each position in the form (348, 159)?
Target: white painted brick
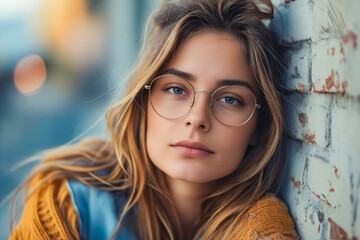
(340, 22)
(335, 67)
(333, 19)
(297, 75)
(325, 183)
(323, 177)
(345, 136)
(331, 185)
(304, 207)
(295, 23)
(345, 144)
(295, 180)
(307, 120)
(327, 19)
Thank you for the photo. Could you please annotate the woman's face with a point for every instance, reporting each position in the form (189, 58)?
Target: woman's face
(173, 145)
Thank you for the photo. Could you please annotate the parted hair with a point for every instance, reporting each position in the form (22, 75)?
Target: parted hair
(123, 156)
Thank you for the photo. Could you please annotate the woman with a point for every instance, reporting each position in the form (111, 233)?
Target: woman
(195, 149)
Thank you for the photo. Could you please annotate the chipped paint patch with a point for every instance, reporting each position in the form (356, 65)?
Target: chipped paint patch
(337, 232)
(296, 184)
(302, 88)
(333, 84)
(342, 53)
(323, 198)
(309, 138)
(350, 37)
(332, 51)
(303, 118)
(336, 172)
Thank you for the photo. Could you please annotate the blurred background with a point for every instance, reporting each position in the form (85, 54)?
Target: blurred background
(61, 62)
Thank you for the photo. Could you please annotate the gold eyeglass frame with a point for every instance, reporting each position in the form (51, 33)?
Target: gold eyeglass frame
(148, 87)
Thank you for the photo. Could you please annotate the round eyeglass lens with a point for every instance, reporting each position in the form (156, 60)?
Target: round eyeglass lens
(233, 105)
(171, 96)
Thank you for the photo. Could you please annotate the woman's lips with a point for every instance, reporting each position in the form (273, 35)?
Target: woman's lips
(192, 149)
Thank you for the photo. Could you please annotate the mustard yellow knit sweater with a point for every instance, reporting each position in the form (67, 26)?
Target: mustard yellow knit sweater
(42, 218)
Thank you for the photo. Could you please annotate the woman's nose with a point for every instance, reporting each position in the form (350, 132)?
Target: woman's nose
(199, 116)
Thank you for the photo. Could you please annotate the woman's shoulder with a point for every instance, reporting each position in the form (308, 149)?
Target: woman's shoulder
(69, 209)
(267, 218)
(45, 212)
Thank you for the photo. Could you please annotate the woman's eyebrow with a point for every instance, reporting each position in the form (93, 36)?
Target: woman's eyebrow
(176, 72)
(234, 82)
(220, 83)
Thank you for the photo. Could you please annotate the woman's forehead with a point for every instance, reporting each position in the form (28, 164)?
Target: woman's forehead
(211, 55)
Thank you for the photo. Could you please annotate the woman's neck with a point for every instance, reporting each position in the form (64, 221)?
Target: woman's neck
(188, 197)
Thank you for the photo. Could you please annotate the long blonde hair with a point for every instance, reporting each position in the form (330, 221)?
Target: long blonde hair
(125, 157)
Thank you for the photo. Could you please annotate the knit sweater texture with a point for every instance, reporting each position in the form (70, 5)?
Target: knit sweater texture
(42, 218)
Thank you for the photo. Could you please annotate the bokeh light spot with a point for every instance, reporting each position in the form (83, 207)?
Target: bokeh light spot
(30, 74)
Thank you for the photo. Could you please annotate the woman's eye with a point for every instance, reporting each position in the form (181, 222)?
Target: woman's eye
(230, 100)
(176, 90)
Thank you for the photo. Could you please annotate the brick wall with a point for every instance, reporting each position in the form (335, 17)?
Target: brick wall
(322, 107)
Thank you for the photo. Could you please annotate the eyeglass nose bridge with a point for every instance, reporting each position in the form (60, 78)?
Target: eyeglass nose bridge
(197, 91)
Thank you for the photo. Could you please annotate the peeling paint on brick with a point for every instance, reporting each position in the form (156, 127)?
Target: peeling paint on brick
(309, 138)
(336, 172)
(322, 127)
(319, 90)
(324, 199)
(350, 36)
(303, 118)
(330, 80)
(332, 84)
(302, 88)
(317, 195)
(296, 184)
(337, 232)
(296, 75)
(344, 85)
(342, 52)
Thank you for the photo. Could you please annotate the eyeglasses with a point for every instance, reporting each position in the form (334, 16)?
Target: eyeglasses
(172, 97)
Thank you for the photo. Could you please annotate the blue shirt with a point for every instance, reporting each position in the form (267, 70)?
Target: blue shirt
(99, 212)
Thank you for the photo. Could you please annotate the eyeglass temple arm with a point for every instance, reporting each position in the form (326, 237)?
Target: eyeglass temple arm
(147, 87)
(257, 105)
